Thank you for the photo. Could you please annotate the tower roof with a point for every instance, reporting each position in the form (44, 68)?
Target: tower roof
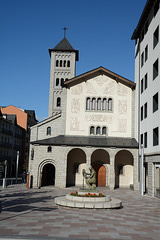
(65, 46)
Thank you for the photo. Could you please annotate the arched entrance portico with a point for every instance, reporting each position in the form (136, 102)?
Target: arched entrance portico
(48, 175)
(100, 162)
(124, 169)
(76, 162)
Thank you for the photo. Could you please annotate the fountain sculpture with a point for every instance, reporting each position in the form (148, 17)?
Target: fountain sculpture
(88, 197)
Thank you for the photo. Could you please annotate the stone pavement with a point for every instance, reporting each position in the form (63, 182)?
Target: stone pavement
(32, 214)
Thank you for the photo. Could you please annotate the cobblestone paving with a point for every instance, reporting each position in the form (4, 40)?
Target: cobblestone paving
(32, 213)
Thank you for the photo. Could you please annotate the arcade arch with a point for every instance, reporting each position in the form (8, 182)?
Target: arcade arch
(124, 165)
(76, 162)
(100, 161)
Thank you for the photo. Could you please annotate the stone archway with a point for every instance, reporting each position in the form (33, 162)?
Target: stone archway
(76, 162)
(100, 162)
(48, 175)
(124, 165)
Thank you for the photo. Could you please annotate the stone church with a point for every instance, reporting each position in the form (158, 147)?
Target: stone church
(90, 122)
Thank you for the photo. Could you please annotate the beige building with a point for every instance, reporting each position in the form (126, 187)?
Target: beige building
(91, 122)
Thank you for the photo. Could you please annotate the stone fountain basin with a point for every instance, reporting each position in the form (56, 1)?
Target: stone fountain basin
(88, 202)
(87, 199)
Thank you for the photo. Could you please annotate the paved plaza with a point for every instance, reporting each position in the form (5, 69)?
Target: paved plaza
(32, 214)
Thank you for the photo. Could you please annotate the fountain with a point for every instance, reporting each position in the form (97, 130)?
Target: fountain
(88, 197)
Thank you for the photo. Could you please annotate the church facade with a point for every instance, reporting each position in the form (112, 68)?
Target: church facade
(91, 122)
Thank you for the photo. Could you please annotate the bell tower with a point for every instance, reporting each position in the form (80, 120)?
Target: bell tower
(63, 67)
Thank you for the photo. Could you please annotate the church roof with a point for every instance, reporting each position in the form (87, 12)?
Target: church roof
(90, 141)
(65, 46)
(100, 71)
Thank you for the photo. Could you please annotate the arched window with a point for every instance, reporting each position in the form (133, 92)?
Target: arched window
(62, 82)
(110, 104)
(104, 131)
(93, 103)
(99, 104)
(91, 130)
(88, 103)
(60, 63)
(58, 102)
(64, 63)
(48, 130)
(49, 149)
(104, 104)
(57, 81)
(57, 63)
(98, 131)
(66, 79)
(68, 63)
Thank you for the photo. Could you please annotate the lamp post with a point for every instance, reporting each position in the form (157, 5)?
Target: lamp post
(17, 165)
(5, 175)
(142, 171)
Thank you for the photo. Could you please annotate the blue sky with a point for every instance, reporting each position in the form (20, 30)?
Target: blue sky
(100, 29)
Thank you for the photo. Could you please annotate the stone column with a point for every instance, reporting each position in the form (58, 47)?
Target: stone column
(135, 170)
(112, 170)
(88, 162)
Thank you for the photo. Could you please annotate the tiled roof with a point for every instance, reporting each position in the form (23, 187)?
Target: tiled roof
(92, 141)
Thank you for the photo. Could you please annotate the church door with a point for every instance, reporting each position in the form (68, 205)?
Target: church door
(100, 175)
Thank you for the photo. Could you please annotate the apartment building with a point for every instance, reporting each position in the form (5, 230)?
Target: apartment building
(147, 79)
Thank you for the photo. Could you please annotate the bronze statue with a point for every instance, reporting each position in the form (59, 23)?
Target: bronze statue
(90, 178)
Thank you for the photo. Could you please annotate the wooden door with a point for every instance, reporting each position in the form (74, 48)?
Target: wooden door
(102, 177)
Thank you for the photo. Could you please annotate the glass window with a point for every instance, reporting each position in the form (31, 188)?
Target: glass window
(146, 81)
(57, 63)
(92, 130)
(99, 104)
(155, 102)
(48, 130)
(104, 104)
(93, 103)
(145, 110)
(145, 140)
(155, 137)
(62, 82)
(156, 7)
(98, 131)
(156, 37)
(142, 85)
(146, 53)
(142, 59)
(49, 149)
(141, 113)
(60, 63)
(68, 63)
(104, 131)
(57, 81)
(155, 69)
(58, 102)
(64, 63)
(88, 104)
(110, 104)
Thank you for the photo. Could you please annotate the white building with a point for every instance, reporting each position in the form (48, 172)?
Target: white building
(147, 79)
(91, 122)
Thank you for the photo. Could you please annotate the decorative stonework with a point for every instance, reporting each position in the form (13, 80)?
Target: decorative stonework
(110, 88)
(122, 107)
(121, 90)
(75, 105)
(98, 118)
(122, 125)
(74, 124)
(100, 81)
(76, 90)
(90, 89)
